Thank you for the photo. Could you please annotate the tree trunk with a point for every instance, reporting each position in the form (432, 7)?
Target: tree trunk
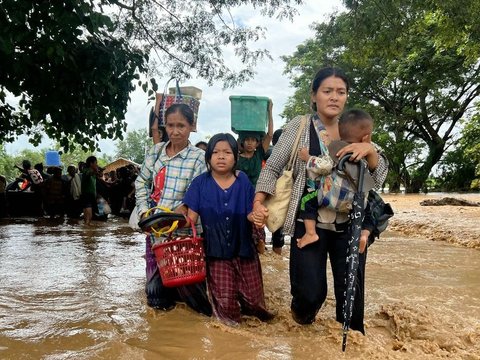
(394, 178)
(418, 180)
(394, 186)
(420, 176)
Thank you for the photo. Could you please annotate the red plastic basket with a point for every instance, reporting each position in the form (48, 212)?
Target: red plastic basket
(181, 261)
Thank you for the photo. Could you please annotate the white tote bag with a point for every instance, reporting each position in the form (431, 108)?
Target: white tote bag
(133, 220)
(277, 204)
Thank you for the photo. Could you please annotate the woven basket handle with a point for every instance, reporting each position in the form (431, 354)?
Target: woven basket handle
(178, 92)
(164, 96)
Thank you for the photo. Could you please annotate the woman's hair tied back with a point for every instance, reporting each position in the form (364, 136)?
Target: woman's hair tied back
(183, 109)
(325, 73)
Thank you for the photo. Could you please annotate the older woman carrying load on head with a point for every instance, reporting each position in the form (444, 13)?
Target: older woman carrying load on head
(170, 166)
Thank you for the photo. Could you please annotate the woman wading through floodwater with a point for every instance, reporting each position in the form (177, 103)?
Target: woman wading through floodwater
(308, 278)
(171, 166)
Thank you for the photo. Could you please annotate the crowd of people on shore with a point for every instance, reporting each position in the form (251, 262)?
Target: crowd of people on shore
(82, 190)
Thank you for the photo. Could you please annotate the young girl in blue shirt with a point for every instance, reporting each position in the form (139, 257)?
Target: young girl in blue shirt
(223, 199)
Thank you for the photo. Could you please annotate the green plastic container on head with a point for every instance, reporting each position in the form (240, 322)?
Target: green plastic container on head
(249, 113)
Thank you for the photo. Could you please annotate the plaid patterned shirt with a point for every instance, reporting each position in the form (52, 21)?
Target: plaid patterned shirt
(182, 168)
(279, 159)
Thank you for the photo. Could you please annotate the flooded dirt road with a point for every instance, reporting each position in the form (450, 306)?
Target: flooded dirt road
(71, 292)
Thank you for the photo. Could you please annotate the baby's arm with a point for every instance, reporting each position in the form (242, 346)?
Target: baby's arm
(320, 165)
(303, 154)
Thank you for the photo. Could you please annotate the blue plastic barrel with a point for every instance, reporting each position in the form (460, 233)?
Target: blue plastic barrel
(52, 158)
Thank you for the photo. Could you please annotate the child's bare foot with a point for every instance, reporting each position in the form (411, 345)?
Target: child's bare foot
(307, 239)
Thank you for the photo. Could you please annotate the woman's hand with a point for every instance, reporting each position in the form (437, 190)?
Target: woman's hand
(360, 151)
(191, 217)
(363, 241)
(188, 222)
(182, 209)
(303, 154)
(259, 214)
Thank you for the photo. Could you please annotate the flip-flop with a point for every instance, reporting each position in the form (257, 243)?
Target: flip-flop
(161, 220)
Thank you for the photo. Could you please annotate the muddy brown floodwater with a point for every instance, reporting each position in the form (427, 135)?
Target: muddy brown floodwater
(71, 292)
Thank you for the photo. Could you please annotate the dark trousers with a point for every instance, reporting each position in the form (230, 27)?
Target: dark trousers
(278, 239)
(308, 277)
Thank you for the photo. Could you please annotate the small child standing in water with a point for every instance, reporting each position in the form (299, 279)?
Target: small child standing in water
(223, 199)
(354, 126)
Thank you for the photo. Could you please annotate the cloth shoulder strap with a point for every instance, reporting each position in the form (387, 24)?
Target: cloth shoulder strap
(293, 155)
(156, 159)
(318, 125)
(160, 149)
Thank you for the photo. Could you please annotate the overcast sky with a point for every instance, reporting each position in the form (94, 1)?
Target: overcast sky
(282, 38)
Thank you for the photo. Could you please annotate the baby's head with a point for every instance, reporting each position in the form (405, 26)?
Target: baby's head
(355, 126)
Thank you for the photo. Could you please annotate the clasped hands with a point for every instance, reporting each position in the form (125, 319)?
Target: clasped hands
(259, 214)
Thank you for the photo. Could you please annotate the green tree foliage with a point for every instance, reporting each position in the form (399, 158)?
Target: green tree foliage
(456, 172)
(68, 67)
(74, 155)
(8, 162)
(7, 165)
(72, 77)
(460, 168)
(134, 145)
(471, 139)
(188, 37)
(472, 150)
(414, 65)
